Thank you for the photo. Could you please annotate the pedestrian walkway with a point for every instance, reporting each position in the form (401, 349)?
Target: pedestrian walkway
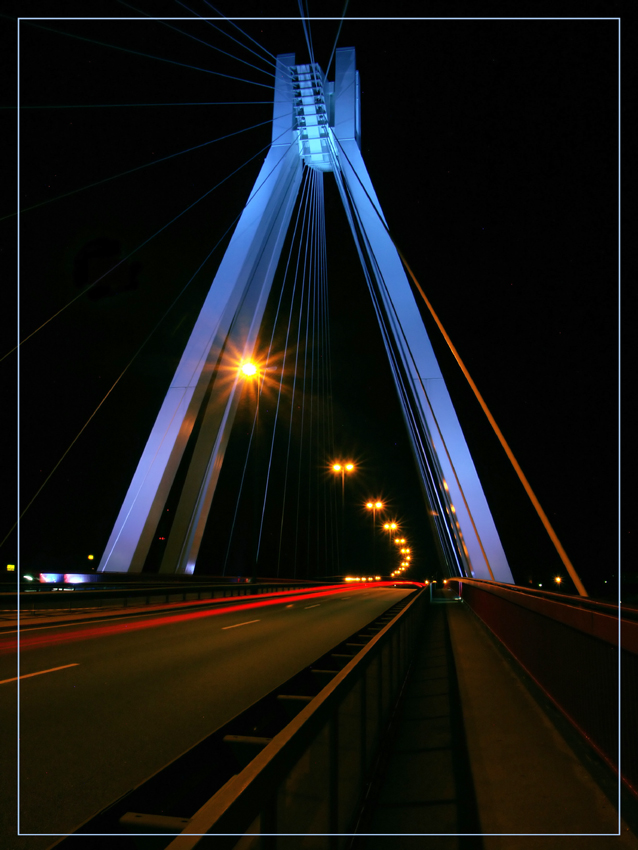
(474, 754)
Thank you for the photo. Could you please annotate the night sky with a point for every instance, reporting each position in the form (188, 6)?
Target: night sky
(493, 148)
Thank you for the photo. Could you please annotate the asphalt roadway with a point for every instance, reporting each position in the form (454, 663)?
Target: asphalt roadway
(104, 704)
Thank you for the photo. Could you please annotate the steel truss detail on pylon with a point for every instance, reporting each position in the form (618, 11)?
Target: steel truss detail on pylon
(316, 124)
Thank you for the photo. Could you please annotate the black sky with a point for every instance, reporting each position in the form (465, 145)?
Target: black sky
(492, 145)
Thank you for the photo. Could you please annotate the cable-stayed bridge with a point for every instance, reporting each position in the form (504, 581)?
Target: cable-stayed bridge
(133, 281)
(282, 314)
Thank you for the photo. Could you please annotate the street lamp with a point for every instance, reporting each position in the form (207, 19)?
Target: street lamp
(390, 527)
(340, 468)
(248, 371)
(374, 505)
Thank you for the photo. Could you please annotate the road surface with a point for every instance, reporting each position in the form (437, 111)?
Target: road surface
(104, 705)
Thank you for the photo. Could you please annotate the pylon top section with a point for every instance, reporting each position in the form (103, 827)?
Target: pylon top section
(311, 117)
(311, 110)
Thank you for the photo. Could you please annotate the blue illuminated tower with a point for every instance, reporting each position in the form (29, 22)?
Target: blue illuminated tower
(316, 123)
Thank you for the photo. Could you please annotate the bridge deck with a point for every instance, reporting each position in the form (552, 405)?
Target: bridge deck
(474, 752)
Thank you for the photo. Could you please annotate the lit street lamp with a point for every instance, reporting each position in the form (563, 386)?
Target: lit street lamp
(374, 505)
(249, 372)
(340, 468)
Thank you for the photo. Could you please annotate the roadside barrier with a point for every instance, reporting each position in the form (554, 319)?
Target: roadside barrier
(570, 648)
(64, 597)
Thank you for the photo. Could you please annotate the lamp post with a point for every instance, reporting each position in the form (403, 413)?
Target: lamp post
(249, 372)
(390, 527)
(374, 505)
(340, 468)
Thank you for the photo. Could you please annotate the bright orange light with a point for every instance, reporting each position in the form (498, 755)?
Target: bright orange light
(90, 557)
(248, 369)
(378, 505)
(369, 505)
(336, 467)
(445, 485)
(558, 579)
(349, 467)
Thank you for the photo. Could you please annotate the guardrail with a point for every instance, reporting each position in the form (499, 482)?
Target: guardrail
(570, 648)
(311, 777)
(65, 597)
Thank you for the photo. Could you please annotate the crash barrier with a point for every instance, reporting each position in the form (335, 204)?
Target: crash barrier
(570, 648)
(297, 761)
(310, 779)
(61, 596)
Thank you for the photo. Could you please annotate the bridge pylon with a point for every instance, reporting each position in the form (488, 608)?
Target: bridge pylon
(316, 124)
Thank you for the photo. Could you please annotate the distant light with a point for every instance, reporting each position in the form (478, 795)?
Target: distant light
(249, 369)
(336, 467)
(349, 467)
(28, 578)
(558, 579)
(378, 504)
(73, 578)
(540, 585)
(377, 578)
(48, 578)
(11, 568)
(90, 557)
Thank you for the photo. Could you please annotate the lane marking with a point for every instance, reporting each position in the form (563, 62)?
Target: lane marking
(39, 673)
(239, 624)
(313, 606)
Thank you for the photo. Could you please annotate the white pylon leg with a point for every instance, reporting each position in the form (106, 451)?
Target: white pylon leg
(463, 494)
(246, 269)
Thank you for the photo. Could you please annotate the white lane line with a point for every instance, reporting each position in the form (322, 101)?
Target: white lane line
(239, 624)
(39, 673)
(313, 606)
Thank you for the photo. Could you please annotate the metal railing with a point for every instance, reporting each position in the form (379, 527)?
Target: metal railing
(311, 777)
(581, 653)
(65, 597)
